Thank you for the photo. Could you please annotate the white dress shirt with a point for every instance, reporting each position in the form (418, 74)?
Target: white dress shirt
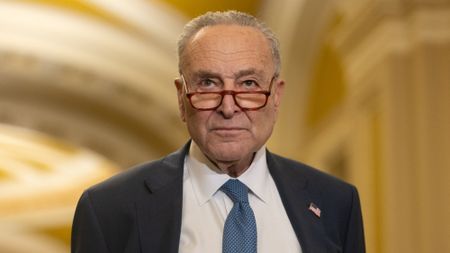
(205, 207)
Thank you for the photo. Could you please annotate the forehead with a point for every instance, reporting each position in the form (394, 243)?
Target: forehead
(228, 49)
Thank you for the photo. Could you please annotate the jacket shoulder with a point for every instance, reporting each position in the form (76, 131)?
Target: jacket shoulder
(130, 184)
(308, 173)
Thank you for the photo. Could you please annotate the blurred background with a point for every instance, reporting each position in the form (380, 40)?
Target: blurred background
(86, 90)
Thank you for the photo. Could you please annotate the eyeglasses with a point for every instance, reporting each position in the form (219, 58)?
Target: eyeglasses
(211, 100)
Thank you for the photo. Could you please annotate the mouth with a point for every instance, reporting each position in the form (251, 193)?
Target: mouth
(228, 131)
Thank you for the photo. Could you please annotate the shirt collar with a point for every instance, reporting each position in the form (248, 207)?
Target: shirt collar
(206, 178)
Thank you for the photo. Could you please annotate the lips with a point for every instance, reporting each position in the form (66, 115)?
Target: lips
(228, 131)
(228, 128)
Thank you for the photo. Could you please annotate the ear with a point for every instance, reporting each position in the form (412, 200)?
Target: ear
(179, 85)
(279, 90)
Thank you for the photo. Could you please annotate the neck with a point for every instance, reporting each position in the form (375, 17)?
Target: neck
(233, 168)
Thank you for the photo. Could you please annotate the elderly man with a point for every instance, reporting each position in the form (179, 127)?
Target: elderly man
(223, 191)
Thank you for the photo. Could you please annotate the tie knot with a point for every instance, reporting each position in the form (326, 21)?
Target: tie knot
(235, 190)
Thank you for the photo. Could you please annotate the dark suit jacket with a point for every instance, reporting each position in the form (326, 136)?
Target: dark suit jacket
(140, 210)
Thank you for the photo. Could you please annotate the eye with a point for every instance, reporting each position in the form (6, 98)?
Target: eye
(208, 83)
(250, 84)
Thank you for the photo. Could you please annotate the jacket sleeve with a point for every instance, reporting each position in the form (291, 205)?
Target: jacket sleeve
(354, 242)
(87, 236)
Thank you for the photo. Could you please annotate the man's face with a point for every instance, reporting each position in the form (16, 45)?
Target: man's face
(232, 57)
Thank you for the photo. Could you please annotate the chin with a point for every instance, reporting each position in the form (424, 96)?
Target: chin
(229, 151)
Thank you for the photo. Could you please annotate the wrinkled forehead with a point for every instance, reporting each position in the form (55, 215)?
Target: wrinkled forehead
(228, 37)
(228, 46)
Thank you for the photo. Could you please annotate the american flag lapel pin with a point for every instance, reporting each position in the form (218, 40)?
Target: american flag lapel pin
(314, 209)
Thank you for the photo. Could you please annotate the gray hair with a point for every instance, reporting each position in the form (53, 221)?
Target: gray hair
(231, 17)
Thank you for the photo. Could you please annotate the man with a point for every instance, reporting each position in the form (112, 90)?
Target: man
(223, 191)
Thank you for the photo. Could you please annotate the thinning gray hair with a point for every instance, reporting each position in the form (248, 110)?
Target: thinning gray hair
(231, 17)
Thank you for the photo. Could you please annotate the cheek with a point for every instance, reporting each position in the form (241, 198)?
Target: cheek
(196, 121)
(182, 106)
(183, 115)
(272, 112)
(263, 122)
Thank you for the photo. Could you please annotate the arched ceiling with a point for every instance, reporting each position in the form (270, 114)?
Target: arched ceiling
(114, 61)
(197, 7)
(187, 8)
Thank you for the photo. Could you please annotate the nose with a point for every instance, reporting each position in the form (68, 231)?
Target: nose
(228, 107)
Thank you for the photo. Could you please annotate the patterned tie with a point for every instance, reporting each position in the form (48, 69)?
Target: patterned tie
(239, 233)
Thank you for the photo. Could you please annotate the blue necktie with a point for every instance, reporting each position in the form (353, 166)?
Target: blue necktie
(239, 233)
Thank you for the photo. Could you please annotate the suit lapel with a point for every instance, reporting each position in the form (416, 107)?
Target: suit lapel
(159, 212)
(296, 197)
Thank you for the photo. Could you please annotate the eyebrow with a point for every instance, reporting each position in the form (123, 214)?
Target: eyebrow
(205, 73)
(240, 73)
(248, 72)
